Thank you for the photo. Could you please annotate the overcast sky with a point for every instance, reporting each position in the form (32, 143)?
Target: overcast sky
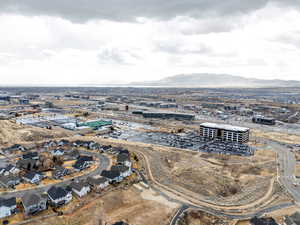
(92, 41)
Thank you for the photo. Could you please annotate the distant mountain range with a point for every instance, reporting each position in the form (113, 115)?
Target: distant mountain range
(215, 80)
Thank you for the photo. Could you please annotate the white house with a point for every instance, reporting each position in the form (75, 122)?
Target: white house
(33, 203)
(98, 183)
(80, 188)
(9, 169)
(7, 207)
(59, 196)
(124, 159)
(33, 177)
(4, 211)
(125, 171)
(112, 175)
(58, 152)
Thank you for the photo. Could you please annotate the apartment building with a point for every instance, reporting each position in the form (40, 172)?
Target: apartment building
(225, 132)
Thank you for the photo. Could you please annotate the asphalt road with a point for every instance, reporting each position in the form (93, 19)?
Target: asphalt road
(178, 214)
(220, 213)
(104, 162)
(287, 164)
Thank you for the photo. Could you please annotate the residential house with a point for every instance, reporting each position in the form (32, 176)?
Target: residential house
(105, 147)
(33, 177)
(7, 207)
(50, 144)
(58, 152)
(125, 151)
(86, 158)
(79, 143)
(12, 169)
(112, 175)
(124, 159)
(125, 171)
(63, 143)
(83, 162)
(34, 203)
(94, 146)
(2, 171)
(9, 169)
(14, 148)
(80, 188)
(59, 172)
(31, 155)
(9, 181)
(59, 196)
(71, 155)
(98, 183)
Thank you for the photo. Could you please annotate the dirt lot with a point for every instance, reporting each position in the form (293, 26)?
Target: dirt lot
(122, 205)
(229, 178)
(198, 217)
(283, 137)
(11, 132)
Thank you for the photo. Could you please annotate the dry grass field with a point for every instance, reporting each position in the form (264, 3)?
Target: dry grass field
(216, 178)
(282, 137)
(199, 217)
(11, 133)
(122, 205)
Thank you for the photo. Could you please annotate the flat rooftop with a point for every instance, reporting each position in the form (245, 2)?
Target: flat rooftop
(225, 127)
(167, 112)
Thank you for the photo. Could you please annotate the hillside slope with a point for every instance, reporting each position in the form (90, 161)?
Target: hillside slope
(216, 80)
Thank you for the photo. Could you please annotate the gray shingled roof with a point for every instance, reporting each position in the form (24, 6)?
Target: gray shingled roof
(78, 185)
(31, 199)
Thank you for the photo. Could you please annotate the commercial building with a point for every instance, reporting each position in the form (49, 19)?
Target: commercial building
(225, 132)
(263, 120)
(97, 123)
(168, 115)
(24, 101)
(5, 98)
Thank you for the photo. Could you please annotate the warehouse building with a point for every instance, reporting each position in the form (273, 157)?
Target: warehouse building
(168, 115)
(225, 132)
(263, 120)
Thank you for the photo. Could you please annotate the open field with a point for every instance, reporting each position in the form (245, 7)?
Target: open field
(15, 133)
(276, 136)
(228, 178)
(125, 205)
(198, 217)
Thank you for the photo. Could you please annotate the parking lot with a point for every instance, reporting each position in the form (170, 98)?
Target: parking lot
(227, 148)
(190, 140)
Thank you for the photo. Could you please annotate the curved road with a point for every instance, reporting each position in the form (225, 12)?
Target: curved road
(104, 163)
(287, 165)
(286, 177)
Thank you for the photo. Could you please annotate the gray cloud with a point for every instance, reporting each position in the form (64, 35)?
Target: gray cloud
(178, 47)
(117, 56)
(129, 10)
(215, 27)
(292, 38)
